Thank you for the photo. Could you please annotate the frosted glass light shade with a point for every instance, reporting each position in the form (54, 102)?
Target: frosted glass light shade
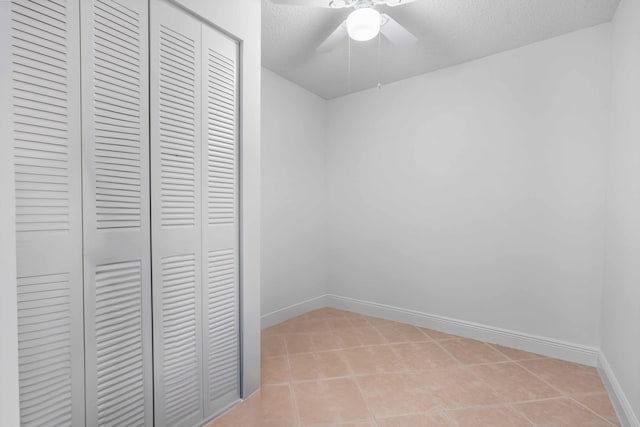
(363, 24)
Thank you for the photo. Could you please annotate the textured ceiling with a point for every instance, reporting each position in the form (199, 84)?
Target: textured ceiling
(449, 32)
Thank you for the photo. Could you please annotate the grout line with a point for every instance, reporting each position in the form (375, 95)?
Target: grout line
(366, 401)
(449, 353)
(522, 414)
(566, 395)
(590, 410)
(294, 401)
(539, 378)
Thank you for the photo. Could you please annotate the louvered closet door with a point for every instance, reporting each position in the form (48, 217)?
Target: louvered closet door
(46, 136)
(176, 214)
(220, 222)
(117, 269)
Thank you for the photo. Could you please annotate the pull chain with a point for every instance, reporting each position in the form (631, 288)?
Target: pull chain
(379, 85)
(349, 66)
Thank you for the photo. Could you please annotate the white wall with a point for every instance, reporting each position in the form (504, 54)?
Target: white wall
(476, 192)
(621, 297)
(9, 408)
(293, 206)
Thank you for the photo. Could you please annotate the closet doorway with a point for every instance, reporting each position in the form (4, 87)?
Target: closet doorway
(126, 156)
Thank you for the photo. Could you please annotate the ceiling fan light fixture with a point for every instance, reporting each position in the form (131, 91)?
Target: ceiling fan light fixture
(363, 24)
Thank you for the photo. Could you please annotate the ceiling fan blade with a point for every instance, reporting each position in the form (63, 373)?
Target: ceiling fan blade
(394, 3)
(334, 38)
(311, 3)
(395, 32)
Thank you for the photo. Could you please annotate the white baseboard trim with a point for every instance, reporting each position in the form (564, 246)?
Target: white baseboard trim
(532, 343)
(619, 400)
(293, 310)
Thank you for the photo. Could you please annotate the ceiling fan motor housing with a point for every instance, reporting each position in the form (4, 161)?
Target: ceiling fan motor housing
(357, 4)
(363, 3)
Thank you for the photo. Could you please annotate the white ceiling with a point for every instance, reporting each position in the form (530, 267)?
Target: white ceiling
(450, 32)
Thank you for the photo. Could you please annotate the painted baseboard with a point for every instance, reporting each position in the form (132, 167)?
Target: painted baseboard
(532, 343)
(620, 402)
(293, 310)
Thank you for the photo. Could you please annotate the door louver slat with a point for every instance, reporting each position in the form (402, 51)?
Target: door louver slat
(221, 161)
(40, 117)
(45, 382)
(223, 363)
(180, 363)
(119, 343)
(177, 129)
(117, 156)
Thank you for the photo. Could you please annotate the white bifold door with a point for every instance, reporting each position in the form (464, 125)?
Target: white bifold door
(81, 138)
(116, 198)
(194, 169)
(45, 113)
(126, 167)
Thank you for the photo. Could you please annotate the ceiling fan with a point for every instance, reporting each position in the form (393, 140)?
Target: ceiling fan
(364, 23)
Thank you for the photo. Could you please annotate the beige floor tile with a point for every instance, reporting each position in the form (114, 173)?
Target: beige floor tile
(275, 370)
(272, 406)
(356, 424)
(567, 377)
(472, 352)
(360, 336)
(515, 354)
(304, 325)
(312, 366)
(317, 369)
(373, 360)
(298, 343)
(437, 335)
(326, 341)
(560, 413)
(272, 330)
(286, 327)
(502, 416)
(421, 420)
(353, 313)
(457, 387)
(330, 401)
(389, 395)
(359, 322)
(402, 333)
(513, 383)
(378, 321)
(423, 355)
(273, 346)
(337, 323)
(601, 405)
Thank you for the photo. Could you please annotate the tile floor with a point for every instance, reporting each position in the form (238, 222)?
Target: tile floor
(335, 368)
